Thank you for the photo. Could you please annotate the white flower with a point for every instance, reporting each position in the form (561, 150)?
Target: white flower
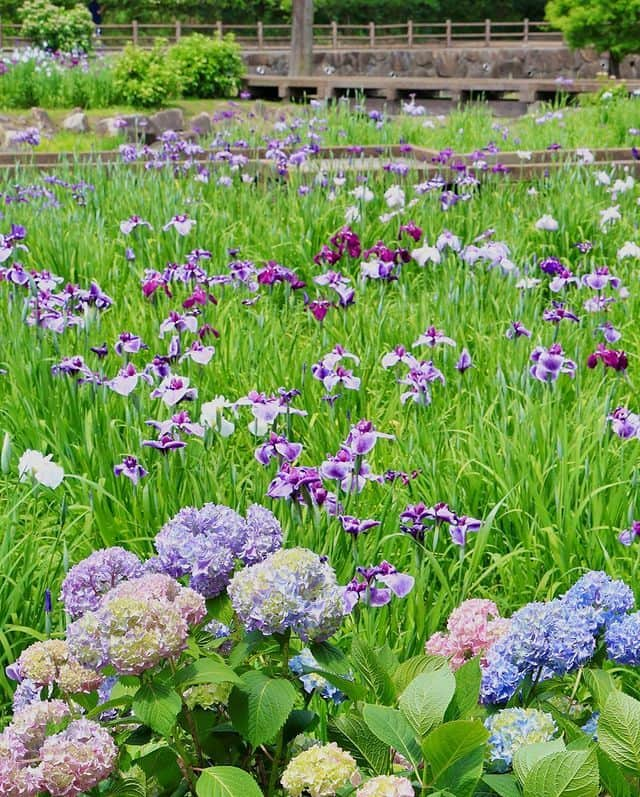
(524, 155)
(622, 186)
(629, 249)
(363, 193)
(395, 197)
(426, 254)
(211, 416)
(602, 178)
(528, 283)
(41, 468)
(532, 191)
(547, 223)
(352, 214)
(609, 215)
(585, 156)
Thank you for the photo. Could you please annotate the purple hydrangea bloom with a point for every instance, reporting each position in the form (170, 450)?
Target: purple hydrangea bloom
(89, 580)
(264, 535)
(610, 598)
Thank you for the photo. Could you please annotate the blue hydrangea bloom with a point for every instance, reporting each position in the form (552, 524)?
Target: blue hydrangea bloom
(610, 598)
(623, 640)
(312, 682)
(512, 728)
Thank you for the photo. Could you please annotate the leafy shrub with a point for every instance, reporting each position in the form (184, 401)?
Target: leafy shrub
(55, 28)
(207, 67)
(36, 77)
(144, 78)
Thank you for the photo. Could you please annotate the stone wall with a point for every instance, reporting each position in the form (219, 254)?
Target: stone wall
(458, 62)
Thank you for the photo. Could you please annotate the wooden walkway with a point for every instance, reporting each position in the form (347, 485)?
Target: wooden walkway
(456, 90)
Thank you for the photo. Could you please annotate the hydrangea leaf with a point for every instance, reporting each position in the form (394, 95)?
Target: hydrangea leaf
(226, 782)
(527, 756)
(572, 773)
(157, 705)
(259, 706)
(455, 752)
(619, 731)
(425, 700)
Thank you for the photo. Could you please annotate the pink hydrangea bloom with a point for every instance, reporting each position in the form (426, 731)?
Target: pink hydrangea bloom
(472, 628)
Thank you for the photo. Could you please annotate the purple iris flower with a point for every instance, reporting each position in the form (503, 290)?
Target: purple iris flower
(411, 229)
(609, 332)
(95, 296)
(432, 337)
(199, 296)
(563, 278)
(181, 223)
(318, 307)
(174, 389)
(464, 362)
(628, 536)
(277, 447)
(175, 322)
(127, 380)
(517, 330)
(356, 526)
(600, 279)
(399, 355)
(558, 312)
(551, 265)
(584, 247)
(364, 586)
(625, 424)
(610, 358)
(199, 353)
(363, 436)
(419, 379)
(128, 343)
(180, 422)
(598, 304)
(462, 526)
(298, 484)
(131, 468)
(419, 518)
(100, 351)
(71, 366)
(130, 224)
(165, 443)
(339, 283)
(350, 470)
(129, 254)
(550, 363)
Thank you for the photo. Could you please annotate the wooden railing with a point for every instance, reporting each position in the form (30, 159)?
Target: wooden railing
(259, 36)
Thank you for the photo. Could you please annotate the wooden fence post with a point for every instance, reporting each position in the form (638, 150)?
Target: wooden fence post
(487, 32)
(410, 33)
(334, 35)
(448, 33)
(134, 32)
(219, 28)
(178, 30)
(372, 34)
(1, 39)
(525, 31)
(260, 35)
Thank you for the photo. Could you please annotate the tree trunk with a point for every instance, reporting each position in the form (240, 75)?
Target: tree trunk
(301, 56)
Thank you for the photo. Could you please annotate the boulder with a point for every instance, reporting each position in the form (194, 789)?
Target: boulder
(168, 119)
(76, 122)
(201, 124)
(138, 127)
(110, 126)
(42, 120)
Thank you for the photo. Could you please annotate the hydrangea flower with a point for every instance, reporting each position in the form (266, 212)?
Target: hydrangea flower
(543, 640)
(611, 599)
(138, 624)
(86, 582)
(206, 543)
(48, 663)
(472, 628)
(512, 728)
(319, 772)
(623, 640)
(294, 590)
(386, 786)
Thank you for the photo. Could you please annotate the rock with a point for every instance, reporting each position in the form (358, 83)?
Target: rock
(110, 126)
(138, 127)
(169, 119)
(76, 122)
(42, 120)
(201, 124)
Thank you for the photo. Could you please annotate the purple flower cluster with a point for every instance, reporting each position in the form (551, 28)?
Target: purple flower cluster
(417, 519)
(205, 544)
(365, 586)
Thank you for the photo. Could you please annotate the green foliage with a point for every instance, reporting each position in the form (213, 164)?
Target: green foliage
(619, 731)
(607, 25)
(207, 67)
(391, 727)
(572, 773)
(425, 700)
(157, 705)
(259, 706)
(455, 754)
(144, 78)
(226, 782)
(55, 28)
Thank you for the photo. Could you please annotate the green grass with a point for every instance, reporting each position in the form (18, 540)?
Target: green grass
(536, 462)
